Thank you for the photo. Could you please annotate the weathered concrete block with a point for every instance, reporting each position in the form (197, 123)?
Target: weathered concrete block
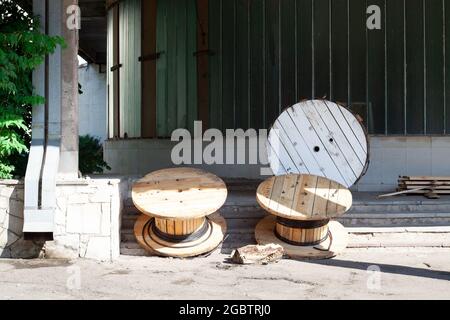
(88, 190)
(6, 191)
(63, 247)
(4, 202)
(77, 198)
(102, 195)
(106, 219)
(60, 223)
(3, 215)
(61, 203)
(87, 221)
(99, 248)
(84, 218)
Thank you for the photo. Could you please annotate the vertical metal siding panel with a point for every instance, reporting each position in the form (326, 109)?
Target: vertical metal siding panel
(138, 71)
(228, 64)
(256, 65)
(177, 66)
(321, 49)
(272, 62)
(395, 67)
(110, 77)
(288, 55)
(148, 73)
(172, 48)
(447, 64)
(215, 100)
(127, 109)
(357, 55)
(435, 67)
(415, 67)
(304, 46)
(137, 83)
(181, 40)
(161, 69)
(376, 75)
(242, 65)
(127, 106)
(339, 49)
(191, 61)
(130, 74)
(123, 70)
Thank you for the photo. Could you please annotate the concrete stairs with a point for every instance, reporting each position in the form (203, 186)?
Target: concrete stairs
(371, 222)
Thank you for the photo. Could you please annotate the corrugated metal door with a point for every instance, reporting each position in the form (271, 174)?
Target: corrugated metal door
(176, 77)
(110, 74)
(130, 71)
(269, 54)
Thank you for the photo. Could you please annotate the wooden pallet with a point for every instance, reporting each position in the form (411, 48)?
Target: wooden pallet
(429, 186)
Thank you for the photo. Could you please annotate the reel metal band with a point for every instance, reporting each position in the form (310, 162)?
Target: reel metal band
(180, 238)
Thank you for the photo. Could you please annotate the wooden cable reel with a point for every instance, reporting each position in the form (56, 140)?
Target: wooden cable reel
(316, 150)
(302, 206)
(321, 138)
(180, 212)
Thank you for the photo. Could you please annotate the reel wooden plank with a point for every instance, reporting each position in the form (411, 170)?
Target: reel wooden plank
(179, 193)
(303, 197)
(319, 138)
(334, 244)
(150, 241)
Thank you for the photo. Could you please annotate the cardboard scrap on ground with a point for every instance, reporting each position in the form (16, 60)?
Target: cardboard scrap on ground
(256, 254)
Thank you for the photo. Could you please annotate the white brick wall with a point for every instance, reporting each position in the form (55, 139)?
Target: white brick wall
(87, 221)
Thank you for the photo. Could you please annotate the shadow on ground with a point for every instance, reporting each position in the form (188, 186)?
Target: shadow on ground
(385, 268)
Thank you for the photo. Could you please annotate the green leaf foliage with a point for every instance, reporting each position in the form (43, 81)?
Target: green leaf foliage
(23, 48)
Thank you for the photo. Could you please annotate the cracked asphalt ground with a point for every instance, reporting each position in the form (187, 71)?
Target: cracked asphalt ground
(403, 274)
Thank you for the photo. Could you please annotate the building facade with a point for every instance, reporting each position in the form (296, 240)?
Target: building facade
(238, 64)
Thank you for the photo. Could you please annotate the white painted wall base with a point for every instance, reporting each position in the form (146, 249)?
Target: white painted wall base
(87, 221)
(389, 158)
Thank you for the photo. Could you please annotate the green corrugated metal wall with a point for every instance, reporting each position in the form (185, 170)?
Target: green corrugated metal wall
(177, 66)
(109, 75)
(130, 72)
(269, 54)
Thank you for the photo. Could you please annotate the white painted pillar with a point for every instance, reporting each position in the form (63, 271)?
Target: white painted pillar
(54, 152)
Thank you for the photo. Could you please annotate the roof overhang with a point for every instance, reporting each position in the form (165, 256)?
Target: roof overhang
(93, 32)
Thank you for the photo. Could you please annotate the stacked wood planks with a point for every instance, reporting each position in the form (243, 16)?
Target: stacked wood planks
(426, 185)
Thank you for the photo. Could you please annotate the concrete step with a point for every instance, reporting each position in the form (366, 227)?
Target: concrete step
(134, 252)
(245, 218)
(385, 239)
(412, 219)
(399, 240)
(400, 237)
(243, 213)
(361, 203)
(398, 208)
